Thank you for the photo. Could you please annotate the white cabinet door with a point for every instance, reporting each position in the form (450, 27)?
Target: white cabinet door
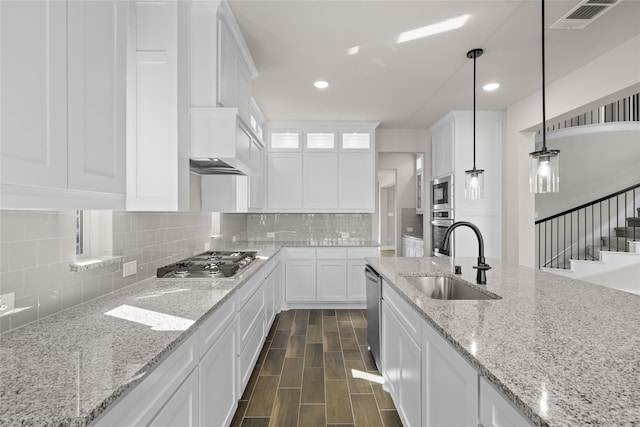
(410, 407)
(496, 411)
(278, 275)
(390, 352)
(269, 302)
(96, 111)
(182, 408)
(157, 144)
(300, 280)
(243, 91)
(331, 282)
(228, 83)
(356, 284)
(284, 180)
(357, 181)
(442, 140)
(450, 384)
(218, 380)
(320, 184)
(33, 82)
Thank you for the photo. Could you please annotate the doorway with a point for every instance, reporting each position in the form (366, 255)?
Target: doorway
(387, 209)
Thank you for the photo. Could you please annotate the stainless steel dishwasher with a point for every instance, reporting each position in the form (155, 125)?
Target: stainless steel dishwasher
(374, 309)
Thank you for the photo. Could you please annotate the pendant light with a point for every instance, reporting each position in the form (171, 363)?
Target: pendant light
(474, 178)
(545, 164)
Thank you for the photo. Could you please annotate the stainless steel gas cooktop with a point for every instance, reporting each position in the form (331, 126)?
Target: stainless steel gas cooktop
(210, 264)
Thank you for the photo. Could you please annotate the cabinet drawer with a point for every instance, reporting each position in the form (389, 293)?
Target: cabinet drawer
(333, 253)
(406, 314)
(250, 314)
(301, 253)
(249, 355)
(147, 398)
(216, 324)
(250, 286)
(362, 253)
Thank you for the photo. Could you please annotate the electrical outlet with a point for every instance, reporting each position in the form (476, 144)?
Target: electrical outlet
(129, 268)
(233, 239)
(7, 303)
(409, 229)
(207, 247)
(271, 235)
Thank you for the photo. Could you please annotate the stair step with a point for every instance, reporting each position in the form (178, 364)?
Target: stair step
(633, 222)
(630, 232)
(615, 243)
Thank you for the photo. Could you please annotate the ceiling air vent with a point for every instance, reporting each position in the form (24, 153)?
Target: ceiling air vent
(584, 14)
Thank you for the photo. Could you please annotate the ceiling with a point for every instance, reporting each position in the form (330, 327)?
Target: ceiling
(413, 84)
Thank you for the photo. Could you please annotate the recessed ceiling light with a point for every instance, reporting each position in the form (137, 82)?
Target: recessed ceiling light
(429, 30)
(321, 84)
(491, 86)
(353, 50)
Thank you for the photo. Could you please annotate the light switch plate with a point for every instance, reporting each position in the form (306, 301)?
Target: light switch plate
(129, 268)
(207, 247)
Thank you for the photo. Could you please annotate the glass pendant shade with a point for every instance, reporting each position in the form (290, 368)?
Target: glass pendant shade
(545, 171)
(474, 184)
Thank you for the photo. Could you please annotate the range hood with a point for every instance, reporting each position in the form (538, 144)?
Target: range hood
(223, 144)
(207, 166)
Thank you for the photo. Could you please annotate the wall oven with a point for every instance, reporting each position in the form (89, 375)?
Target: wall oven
(440, 221)
(442, 193)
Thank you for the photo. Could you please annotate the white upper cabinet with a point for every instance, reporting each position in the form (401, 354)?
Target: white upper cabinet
(338, 165)
(34, 92)
(97, 71)
(157, 105)
(320, 180)
(284, 180)
(442, 135)
(63, 104)
(357, 181)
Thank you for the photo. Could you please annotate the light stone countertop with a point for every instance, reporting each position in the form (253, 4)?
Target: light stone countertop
(67, 369)
(564, 351)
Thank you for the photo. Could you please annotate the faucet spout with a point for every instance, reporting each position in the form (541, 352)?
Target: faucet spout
(482, 267)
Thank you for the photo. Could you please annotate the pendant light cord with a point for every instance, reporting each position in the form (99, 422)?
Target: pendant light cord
(544, 110)
(474, 110)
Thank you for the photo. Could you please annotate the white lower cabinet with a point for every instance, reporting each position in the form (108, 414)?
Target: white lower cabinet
(327, 275)
(201, 381)
(401, 359)
(301, 280)
(495, 411)
(219, 387)
(431, 384)
(331, 280)
(449, 384)
(182, 408)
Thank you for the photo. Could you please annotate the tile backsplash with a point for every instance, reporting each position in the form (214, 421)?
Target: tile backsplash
(37, 247)
(283, 227)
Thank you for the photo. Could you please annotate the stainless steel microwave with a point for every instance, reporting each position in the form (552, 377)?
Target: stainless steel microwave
(442, 193)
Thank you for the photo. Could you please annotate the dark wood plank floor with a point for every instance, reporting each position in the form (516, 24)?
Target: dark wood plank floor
(315, 370)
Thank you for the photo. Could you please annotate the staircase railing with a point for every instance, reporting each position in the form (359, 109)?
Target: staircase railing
(569, 234)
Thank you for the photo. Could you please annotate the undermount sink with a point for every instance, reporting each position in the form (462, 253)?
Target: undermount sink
(447, 288)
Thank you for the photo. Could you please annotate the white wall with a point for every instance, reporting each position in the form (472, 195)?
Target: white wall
(592, 166)
(610, 73)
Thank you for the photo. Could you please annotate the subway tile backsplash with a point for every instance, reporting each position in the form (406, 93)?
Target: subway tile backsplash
(308, 227)
(37, 247)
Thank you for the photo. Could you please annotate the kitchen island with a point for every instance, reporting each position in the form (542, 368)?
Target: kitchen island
(562, 351)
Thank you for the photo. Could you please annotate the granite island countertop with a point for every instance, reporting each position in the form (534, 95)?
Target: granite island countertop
(68, 368)
(564, 351)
